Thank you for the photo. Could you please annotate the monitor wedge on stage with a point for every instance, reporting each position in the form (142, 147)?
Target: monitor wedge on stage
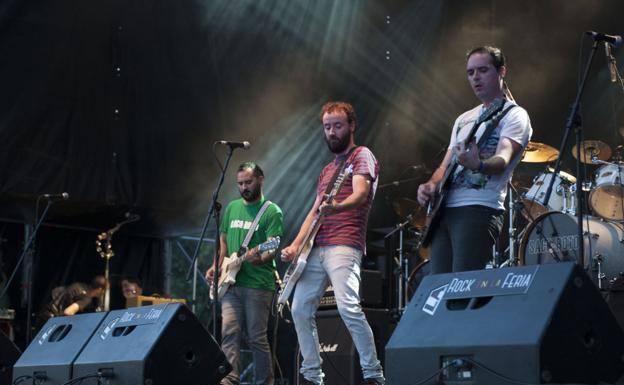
(9, 353)
(535, 324)
(49, 357)
(152, 345)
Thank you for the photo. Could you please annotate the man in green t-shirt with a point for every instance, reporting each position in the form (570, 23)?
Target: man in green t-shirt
(246, 304)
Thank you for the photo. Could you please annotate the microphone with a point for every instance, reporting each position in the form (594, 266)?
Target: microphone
(244, 145)
(614, 40)
(611, 64)
(63, 196)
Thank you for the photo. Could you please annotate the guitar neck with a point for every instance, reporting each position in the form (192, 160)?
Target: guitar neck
(311, 234)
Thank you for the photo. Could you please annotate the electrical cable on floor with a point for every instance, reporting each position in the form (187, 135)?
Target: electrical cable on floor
(491, 371)
(21, 379)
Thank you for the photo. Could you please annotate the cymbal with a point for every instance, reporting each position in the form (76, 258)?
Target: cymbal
(539, 153)
(593, 149)
(404, 207)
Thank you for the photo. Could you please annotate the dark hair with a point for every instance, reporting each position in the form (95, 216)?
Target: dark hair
(498, 58)
(255, 169)
(98, 282)
(345, 107)
(132, 279)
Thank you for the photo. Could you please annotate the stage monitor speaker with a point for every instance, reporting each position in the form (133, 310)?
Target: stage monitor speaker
(152, 345)
(49, 357)
(341, 363)
(9, 353)
(535, 324)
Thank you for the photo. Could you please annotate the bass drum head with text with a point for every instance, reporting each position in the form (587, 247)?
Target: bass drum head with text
(553, 237)
(551, 231)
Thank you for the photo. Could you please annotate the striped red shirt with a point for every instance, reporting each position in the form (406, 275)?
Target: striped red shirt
(348, 228)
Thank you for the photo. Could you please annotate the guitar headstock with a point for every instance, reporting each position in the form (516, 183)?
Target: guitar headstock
(104, 245)
(270, 245)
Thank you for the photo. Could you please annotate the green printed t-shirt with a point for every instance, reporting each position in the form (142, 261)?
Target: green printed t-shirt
(235, 223)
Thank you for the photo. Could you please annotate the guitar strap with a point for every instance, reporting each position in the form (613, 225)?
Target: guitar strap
(492, 124)
(339, 169)
(254, 225)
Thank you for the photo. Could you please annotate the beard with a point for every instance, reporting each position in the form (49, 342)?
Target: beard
(251, 195)
(337, 145)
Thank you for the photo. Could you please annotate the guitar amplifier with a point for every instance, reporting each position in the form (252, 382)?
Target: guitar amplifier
(371, 294)
(341, 363)
(143, 300)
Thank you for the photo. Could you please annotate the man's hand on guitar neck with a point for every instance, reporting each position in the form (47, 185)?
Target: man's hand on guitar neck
(329, 208)
(256, 258)
(289, 252)
(426, 192)
(468, 155)
(209, 274)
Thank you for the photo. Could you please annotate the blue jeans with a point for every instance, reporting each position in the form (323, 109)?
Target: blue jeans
(339, 265)
(464, 238)
(247, 310)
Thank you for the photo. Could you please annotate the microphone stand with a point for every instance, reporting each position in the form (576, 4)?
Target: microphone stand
(402, 268)
(104, 247)
(574, 120)
(215, 208)
(25, 250)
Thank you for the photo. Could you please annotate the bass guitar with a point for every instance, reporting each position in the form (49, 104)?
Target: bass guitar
(453, 169)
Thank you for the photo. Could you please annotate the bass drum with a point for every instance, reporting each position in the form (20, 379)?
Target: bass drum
(553, 237)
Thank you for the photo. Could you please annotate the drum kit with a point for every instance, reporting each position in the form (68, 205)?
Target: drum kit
(551, 233)
(549, 230)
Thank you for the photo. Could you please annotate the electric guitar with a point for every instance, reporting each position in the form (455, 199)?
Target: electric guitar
(453, 169)
(299, 262)
(231, 266)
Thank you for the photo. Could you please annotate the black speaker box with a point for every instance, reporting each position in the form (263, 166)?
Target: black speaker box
(8, 355)
(152, 345)
(50, 355)
(535, 324)
(341, 363)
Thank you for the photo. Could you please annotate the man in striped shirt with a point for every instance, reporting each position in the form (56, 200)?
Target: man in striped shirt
(338, 247)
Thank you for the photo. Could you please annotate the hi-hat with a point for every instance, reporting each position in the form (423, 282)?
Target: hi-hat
(539, 153)
(593, 149)
(404, 207)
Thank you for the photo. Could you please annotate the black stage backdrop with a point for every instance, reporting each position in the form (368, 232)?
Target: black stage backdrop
(119, 102)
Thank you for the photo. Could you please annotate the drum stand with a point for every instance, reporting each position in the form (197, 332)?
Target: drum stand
(403, 270)
(514, 206)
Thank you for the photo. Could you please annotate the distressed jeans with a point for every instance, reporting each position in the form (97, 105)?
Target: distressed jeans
(246, 311)
(340, 266)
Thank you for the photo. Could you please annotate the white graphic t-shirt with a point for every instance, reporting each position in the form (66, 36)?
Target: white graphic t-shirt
(473, 188)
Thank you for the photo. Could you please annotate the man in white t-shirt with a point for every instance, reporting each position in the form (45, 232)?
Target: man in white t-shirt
(471, 217)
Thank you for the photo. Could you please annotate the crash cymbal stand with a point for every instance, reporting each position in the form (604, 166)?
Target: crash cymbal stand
(513, 207)
(402, 271)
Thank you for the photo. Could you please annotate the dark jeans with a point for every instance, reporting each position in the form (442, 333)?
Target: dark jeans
(464, 238)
